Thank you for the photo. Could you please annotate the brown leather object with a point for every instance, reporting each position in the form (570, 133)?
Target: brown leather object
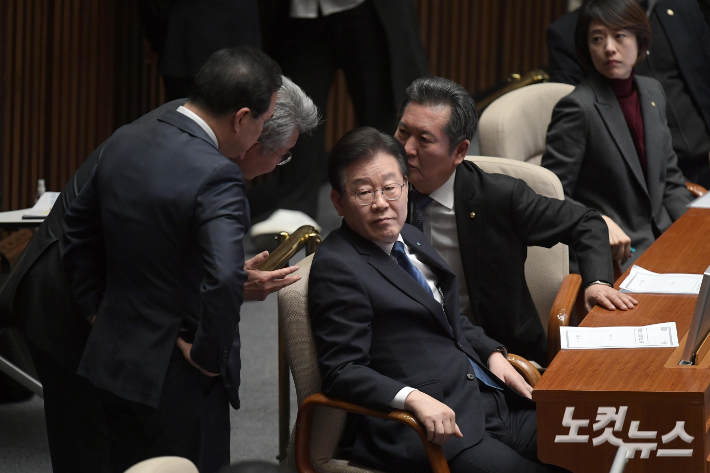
(525, 368)
(696, 189)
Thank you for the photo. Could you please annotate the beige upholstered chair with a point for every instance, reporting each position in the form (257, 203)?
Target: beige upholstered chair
(318, 429)
(553, 289)
(514, 126)
(164, 465)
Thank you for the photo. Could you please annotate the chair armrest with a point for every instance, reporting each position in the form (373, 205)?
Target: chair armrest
(696, 189)
(561, 312)
(437, 460)
(525, 368)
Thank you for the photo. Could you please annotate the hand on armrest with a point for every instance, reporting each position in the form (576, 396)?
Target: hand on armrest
(500, 367)
(438, 419)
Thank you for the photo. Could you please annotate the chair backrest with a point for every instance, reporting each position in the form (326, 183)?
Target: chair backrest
(164, 465)
(515, 125)
(545, 268)
(295, 325)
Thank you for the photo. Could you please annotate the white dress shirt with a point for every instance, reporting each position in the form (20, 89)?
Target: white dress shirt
(440, 229)
(203, 124)
(309, 8)
(398, 401)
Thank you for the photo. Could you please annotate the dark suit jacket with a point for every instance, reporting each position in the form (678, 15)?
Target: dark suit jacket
(153, 245)
(378, 331)
(510, 217)
(407, 57)
(687, 33)
(590, 148)
(49, 314)
(185, 32)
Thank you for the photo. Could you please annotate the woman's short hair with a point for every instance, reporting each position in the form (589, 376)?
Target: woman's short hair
(294, 112)
(362, 144)
(616, 15)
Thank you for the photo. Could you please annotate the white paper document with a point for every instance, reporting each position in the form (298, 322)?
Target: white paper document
(43, 206)
(641, 280)
(701, 202)
(649, 336)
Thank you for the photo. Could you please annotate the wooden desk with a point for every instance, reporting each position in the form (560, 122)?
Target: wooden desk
(13, 220)
(656, 390)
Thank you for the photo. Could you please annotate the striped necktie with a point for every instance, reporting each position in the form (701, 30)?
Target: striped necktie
(419, 202)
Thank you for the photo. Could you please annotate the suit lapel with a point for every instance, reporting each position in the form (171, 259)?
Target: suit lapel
(468, 229)
(397, 276)
(426, 253)
(610, 111)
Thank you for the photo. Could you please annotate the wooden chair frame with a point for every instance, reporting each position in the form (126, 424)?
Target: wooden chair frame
(561, 312)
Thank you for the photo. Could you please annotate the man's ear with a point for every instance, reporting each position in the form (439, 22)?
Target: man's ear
(460, 152)
(337, 200)
(239, 116)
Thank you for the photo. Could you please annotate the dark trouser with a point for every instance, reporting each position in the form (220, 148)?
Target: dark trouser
(76, 428)
(509, 444)
(354, 41)
(192, 421)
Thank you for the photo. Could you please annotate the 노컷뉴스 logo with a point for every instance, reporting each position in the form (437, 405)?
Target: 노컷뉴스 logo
(605, 416)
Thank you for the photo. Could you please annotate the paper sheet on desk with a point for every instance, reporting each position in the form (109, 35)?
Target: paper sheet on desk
(649, 336)
(641, 280)
(702, 202)
(43, 206)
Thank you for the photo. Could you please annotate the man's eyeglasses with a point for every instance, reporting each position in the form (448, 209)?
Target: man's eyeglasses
(367, 196)
(284, 159)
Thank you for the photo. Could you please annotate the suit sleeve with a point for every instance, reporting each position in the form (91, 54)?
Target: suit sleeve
(84, 253)
(563, 65)
(566, 143)
(476, 337)
(676, 196)
(542, 221)
(221, 214)
(341, 318)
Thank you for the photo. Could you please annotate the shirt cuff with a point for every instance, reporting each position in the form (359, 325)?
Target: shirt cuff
(400, 397)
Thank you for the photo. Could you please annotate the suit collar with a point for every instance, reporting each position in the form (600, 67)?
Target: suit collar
(444, 195)
(610, 111)
(391, 271)
(198, 119)
(186, 124)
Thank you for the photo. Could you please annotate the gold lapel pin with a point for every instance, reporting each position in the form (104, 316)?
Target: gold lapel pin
(653, 104)
(670, 12)
(473, 214)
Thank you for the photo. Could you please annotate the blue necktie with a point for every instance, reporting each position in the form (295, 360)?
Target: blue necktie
(483, 376)
(406, 264)
(403, 260)
(419, 201)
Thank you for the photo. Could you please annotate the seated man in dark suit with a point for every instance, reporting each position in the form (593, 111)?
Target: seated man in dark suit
(679, 58)
(386, 322)
(483, 223)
